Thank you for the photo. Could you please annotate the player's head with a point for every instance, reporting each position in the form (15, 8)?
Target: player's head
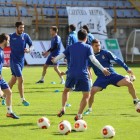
(19, 25)
(86, 28)
(53, 30)
(4, 40)
(82, 35)
(72, 27)
(96, 45)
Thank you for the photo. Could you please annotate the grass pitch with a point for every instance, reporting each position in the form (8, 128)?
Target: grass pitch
(113, 106)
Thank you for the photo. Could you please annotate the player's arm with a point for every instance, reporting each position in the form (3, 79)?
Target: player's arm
(120, 62)
(97, 64)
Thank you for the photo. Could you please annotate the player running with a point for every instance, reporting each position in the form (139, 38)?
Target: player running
(4, 41)
(52, 52)
(104, 57)
(79, 54)
(18, 42)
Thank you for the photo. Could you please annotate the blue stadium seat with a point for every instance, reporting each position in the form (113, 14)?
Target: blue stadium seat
(54, 13)
(65, 13)
(49, 13)
(118, 4)
(45, 12)
(52, 4)
(35, 2)
(127, 4)
(46, 2)
(2, 1)
(16, 12)
(10, 5)
(103, 3)
(69, 3)
(74, 2)
(6, 11)
(28, 2)
(85, 3)
(64, 4)
(79, 3)
(59, 3)
(136, 13)
(23, 12)
(1, 12)
(61, 13)
(40, 2)
(110, 3)
(111, 13)
(120, 14)
(93, 3)
(12, 12)
(128, 14)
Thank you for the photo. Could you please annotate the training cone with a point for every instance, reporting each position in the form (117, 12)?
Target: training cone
(53, 83)
(68, 105)
(57, 91)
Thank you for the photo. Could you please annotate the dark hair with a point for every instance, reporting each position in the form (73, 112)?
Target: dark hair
(3, 37)
(94, 41)
(82, 34)
(86, 28)
(72, 27)
(54, 28)
(18, 23)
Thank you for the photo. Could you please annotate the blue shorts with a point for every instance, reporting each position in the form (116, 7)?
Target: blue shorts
(3, 84)
(16, 68)
(80, 84)
(49, 62)
(104, 81)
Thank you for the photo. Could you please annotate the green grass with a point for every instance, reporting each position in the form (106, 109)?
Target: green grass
(113, 106)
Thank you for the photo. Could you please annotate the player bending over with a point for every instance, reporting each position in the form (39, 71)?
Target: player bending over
(4, 41)
(104, 57)
(53, 51)
(79, 54)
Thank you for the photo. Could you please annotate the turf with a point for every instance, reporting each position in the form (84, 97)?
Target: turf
(113, 106)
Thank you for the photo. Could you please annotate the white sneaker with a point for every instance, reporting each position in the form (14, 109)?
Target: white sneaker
(62, 82)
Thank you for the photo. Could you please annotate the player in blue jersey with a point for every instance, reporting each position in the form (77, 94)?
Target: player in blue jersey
(4, 41)
(18, 41)
(104, 57)
(79, 54)
(90, 37)
(52, 52)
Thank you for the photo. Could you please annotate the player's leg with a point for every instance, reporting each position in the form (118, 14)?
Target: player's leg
(131, 89)
(12, 81)
(56, 68)
(90, 75)
(65, 97)
(43, 73)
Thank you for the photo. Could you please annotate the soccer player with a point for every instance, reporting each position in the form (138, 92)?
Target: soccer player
(4, 41)
(90, 37)
(79, 54)
(104, 57)
(18, 42)
(52, 52)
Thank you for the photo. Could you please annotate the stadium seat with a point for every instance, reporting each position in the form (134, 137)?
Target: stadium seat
(61, 13)
(16, 12)
(74, 2)
(118, 4)
(64, 4)
(103, 3)
(49, 13)
(1, 12)
(10, 5)
(58, 3)
(127, 4)
(111, 4)
(93, 3)
(69, 3)
(2, 1)
(35, 2)
(12, 12)
(128, 14)
(119, 14)
(79, 3)
(54, 13)
(85, 3)
(111, 13)
(6, 11)
(46, 2)
(65, 13)
(136, 13)
(28, 2)
(44, 12)
(52, 3)
(23, 12)
(40, 2)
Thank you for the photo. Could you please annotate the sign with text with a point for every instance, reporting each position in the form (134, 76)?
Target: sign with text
(7, 52)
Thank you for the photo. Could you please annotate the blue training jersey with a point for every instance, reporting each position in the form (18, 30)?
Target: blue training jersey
(90, 37)
(55, 40)
(18, 44)
(104, 57)
(1, 59)
(79, 54)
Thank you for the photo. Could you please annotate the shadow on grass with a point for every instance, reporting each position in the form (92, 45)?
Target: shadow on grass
(58, 134)
(38, 114)
(99, 138)
(128, 115)
(15, 125)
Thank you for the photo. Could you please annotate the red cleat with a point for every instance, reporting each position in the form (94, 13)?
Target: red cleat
(61, 113)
